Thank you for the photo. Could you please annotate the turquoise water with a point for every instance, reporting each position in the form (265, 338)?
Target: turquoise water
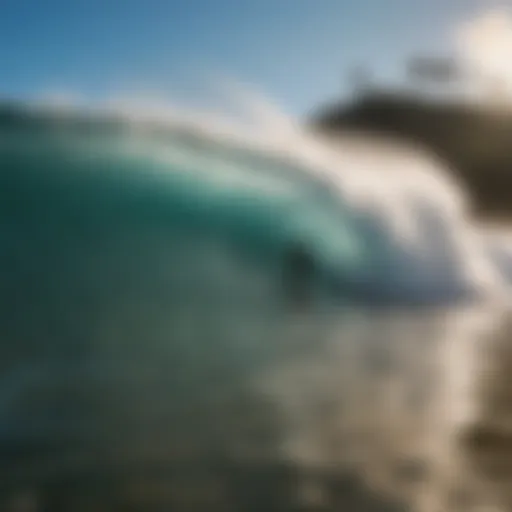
(146, 331)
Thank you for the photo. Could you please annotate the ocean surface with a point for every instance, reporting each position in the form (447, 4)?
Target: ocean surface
(153, 359)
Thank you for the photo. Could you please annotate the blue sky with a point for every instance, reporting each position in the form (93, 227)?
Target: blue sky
(295, 51)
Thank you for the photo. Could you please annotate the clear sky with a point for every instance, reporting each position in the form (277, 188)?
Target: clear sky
(295, 51)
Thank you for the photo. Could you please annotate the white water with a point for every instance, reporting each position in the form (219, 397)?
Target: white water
(399, 202)
(393, 218)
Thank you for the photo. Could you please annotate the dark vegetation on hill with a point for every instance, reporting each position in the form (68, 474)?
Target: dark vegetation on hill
(475, 141)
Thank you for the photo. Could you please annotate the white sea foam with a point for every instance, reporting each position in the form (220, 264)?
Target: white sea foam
(400, 201)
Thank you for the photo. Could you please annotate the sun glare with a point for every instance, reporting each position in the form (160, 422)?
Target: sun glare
(485, 47)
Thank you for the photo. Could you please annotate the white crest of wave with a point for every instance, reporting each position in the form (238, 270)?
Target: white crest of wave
(398, 195)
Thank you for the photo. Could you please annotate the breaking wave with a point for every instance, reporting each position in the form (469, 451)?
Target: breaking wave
(385, 222)
(141, 303)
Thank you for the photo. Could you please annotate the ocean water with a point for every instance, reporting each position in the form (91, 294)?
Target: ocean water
(153, 359)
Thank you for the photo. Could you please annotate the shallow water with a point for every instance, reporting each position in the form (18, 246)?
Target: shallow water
(121, 391)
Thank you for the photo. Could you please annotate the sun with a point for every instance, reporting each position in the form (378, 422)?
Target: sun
(485, 46)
